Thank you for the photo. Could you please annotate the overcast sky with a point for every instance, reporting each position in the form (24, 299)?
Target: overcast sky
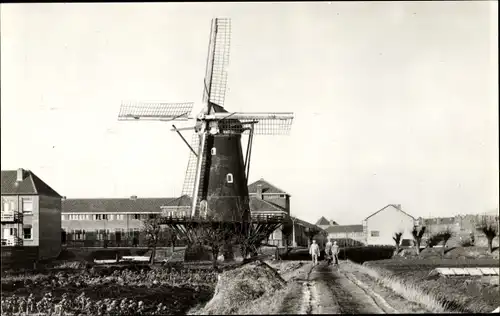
(394, 102)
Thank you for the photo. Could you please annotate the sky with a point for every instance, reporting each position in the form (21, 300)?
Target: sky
(394, 102)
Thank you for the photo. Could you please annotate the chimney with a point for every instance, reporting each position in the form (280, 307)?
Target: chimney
(398, 206)
(20, 175)
(63, 198)
(133, 197)
(259, 191)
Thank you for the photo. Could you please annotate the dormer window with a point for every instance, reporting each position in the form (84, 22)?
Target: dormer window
(213, 151)
(229, 178)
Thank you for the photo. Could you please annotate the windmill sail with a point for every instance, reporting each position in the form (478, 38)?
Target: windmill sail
(214, 89)
(155, 111)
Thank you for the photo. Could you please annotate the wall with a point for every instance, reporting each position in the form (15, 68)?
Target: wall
(128, 224)
(50, 227)
(27, 219)
(387, 222)
(33, 220)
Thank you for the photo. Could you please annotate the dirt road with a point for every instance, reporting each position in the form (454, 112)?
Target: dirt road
(337, 290)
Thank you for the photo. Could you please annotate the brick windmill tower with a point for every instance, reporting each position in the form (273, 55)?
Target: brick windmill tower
(218, 167)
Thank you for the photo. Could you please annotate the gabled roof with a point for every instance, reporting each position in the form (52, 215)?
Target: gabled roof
(139, 205)
(31, 184)
(266, 187)
(258, 205)
(332, 222)
(322, 221)
(345, 229)
(392, 205)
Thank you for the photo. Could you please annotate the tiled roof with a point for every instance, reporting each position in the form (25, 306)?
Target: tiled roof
(322, 221)
(266, 187)
(390, 205)
(139, 205)
(345, 228)
(258, 205)
(31, 184)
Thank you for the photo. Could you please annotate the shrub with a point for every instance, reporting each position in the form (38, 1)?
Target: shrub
(466, 243)
(434, 240)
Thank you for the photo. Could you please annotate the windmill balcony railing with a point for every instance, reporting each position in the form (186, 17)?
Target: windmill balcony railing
(12, 241)
(11, 216)
(257, 217)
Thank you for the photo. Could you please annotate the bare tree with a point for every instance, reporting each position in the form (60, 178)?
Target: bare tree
(286, 230)
(417, 236)
(488, 225)
(311, 232)
(216, 235)
(152, 231)
(446, 235)
(397, 239)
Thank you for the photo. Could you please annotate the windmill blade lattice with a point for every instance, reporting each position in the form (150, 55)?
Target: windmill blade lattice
(263, 123)
(189, 178)
(155, 111)
(217, 62)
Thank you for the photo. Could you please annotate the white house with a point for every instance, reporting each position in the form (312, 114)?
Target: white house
(381, 226)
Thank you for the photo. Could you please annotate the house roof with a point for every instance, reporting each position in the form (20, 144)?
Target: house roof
(266, 187)
(322, 221)
(31, 184)
(147, 205)
(345, 229)
(390, 205)
(332, 222)
(139, 205)
(258, 205)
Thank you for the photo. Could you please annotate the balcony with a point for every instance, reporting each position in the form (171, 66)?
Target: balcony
(12, 241)
(11, 217)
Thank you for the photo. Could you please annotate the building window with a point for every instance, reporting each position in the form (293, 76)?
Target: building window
(104, 216)
(375, 233)
(80, 235)
(8, 206)
(229, 178)
(137, 216)
(27, 233)
(119, 216)
(63, 217)
(213, 151)
(282, 196)
(27, 206)
(97, 217)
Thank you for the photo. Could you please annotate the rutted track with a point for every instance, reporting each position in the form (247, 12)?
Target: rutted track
(328, 290)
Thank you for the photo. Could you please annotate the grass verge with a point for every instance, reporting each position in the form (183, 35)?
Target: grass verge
(437, 295)
(409, 291)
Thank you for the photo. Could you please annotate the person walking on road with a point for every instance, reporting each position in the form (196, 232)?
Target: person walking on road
(328, 252)
(314, 252)
(335, 253)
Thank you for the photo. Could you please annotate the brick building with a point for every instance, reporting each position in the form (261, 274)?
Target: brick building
(30, 216)
(117, 222)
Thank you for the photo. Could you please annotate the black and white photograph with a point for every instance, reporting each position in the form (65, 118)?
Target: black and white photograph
(249, 158)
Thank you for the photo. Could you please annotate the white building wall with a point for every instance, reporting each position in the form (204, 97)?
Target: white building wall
(382, 226)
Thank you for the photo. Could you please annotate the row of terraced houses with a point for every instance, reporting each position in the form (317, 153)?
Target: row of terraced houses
(36, 217)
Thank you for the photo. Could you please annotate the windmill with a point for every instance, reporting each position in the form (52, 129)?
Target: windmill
(217, 172)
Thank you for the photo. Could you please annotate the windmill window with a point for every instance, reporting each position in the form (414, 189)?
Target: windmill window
(213, 151)
(229, 178)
